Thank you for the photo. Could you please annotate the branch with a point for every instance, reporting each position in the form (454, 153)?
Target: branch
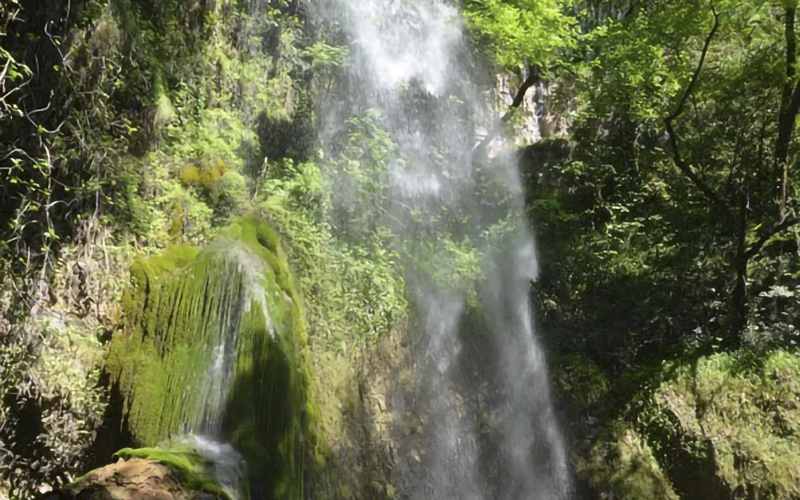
(630, 10)
(696, 75)
(783, 226)
(533, 79)
(3, 73)
(529, 82)
(673, 137)
(791, 57)
(790, 107)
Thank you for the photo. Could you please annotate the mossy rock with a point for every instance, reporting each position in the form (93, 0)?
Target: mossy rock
(621, 466)
(150, 473)
(198, 471)
(725, 427)
(214, 343)
(736, 417)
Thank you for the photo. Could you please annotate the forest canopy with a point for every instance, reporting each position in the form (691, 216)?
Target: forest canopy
(659, 185)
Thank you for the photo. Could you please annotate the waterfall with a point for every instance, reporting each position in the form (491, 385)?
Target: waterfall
(411, 78)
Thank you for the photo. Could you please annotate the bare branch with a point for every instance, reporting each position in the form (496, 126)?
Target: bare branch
(5, 70)
(529, 82)
(533, 78)
(668, 121)
(783, 226)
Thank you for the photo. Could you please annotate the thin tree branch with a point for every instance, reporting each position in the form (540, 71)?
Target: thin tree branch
(790, 107)
(529, 82)
(668, 121)
(688, 92)
(5, 70)
(791, 57)
(533, 78)
(783, 226)
(630, 10)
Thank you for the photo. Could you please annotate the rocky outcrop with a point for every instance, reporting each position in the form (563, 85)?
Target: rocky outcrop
(214, 343)
(136, 479)
(724, 426)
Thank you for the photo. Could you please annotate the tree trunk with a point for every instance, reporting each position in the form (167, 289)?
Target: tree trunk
(741, 260)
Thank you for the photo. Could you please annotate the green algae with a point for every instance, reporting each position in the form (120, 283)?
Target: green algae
(192, 468)
(214, 342)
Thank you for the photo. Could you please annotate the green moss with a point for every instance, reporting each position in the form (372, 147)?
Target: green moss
(194, 469)
(721, 426)
(267, 237)
(746, 410)
(231, 191)
(622, 465)
(176, 221)
(232, 307)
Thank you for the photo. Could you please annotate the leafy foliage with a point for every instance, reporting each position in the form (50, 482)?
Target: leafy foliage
(521, 32)
(104, 104)
(721, 426)
(51, 400)
(667, 200)
(354, 291)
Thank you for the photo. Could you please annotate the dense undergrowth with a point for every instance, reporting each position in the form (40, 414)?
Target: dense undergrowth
(132, 131)
(153, 126)
(720, 426)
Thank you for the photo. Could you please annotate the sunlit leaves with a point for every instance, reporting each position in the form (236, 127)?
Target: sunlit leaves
(519, 32)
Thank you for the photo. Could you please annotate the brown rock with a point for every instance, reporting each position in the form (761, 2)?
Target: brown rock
(134, 479)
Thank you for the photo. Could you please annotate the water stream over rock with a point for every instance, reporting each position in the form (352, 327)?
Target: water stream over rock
(411, 77)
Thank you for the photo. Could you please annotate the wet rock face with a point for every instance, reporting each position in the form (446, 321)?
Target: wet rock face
(134, 479)
(214, 343)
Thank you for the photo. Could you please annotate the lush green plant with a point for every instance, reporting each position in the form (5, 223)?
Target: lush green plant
(719, 426)
(52, 402)
(121, 97)
(520, 33)
(355, 291)
(663, 203)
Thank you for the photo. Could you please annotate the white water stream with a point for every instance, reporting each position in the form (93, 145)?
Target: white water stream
(410, 61)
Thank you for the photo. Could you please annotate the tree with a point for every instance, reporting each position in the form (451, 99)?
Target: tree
(682, 154)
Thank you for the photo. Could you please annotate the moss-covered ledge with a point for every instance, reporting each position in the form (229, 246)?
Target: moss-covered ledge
(214, 343)
(723, 426)
(178, 474)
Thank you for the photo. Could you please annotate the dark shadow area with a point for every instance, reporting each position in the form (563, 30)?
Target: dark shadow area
(617, 295)
(20, 432)
(113, 433)
(480, 379)
(264, 420)
(281, 138)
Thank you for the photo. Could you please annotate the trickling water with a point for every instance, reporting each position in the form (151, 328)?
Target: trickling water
(222, 462)
(410, 74)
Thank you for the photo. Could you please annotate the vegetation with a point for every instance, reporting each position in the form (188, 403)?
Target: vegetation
(194, 469)
(672, 192)
(159, 157)
(722, 426)
(206, 334)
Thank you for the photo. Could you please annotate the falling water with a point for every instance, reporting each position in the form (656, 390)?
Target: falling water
(411, 72)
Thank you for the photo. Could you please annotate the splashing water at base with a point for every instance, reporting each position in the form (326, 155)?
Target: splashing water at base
(223, 463)
(410, 67)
